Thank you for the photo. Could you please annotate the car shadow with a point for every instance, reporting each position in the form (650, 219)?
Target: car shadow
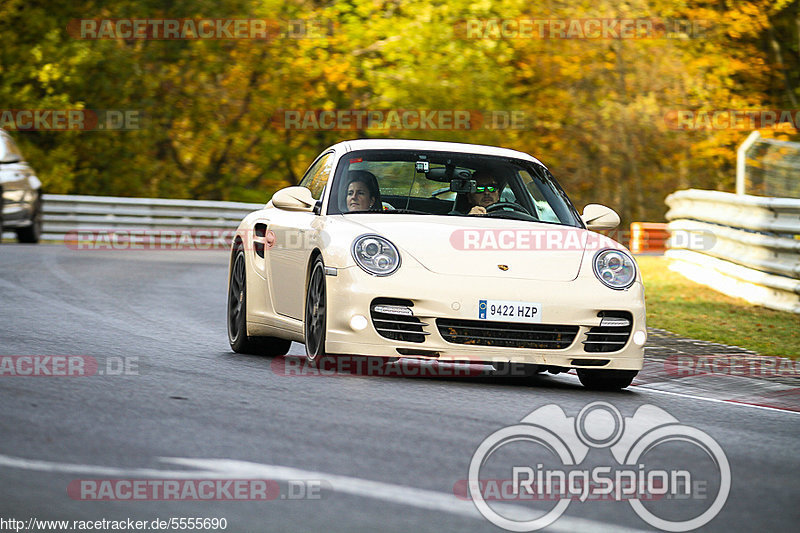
(296, 366)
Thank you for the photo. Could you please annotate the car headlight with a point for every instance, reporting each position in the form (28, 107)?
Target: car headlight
(614, 268)
(376, 255)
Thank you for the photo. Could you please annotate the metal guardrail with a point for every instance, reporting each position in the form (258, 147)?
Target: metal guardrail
(744, 246)
(768, 167)
(67, 216)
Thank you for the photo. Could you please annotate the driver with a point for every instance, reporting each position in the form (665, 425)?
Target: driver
(487, 192)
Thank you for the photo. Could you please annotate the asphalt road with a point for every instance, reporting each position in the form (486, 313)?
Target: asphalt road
(384, 452)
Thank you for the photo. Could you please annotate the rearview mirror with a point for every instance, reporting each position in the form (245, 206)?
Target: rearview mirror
(294, 199)
(599, 217)
(462, 185)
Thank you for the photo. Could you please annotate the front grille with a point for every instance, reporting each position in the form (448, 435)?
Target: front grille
(506, 334)
(609, 338)
(397, 327)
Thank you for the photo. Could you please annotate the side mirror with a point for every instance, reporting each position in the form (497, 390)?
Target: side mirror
(599, 217)
(294, 199)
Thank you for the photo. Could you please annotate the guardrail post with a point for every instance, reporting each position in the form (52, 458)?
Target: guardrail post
(741, 160)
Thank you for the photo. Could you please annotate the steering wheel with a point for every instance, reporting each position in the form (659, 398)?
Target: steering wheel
(506, 205)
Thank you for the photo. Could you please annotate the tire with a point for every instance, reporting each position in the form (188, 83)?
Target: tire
(606, 379)
(237, 315)
(33, 233)
(315, 323)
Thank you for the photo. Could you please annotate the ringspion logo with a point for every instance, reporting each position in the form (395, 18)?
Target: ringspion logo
(558, 446)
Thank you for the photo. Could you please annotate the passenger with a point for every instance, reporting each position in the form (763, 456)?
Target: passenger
(363, 193)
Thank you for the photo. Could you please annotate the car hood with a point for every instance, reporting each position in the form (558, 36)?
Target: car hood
(480, 246)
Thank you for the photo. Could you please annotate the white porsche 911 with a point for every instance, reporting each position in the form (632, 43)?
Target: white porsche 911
(443, 251)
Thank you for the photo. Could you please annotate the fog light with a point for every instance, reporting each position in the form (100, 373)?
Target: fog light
(639, 338)
(394, 310)
(358, 322)
(614, 322)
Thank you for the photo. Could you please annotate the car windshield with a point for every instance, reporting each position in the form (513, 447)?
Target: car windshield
(448, 184)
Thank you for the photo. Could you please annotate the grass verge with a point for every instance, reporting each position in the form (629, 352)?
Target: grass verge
(676, 304)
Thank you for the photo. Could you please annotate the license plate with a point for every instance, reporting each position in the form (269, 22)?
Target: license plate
(509, 311)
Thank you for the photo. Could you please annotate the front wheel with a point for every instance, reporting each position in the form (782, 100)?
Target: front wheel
(237, 316)
(33, 233)
(315, 315)
(606, 379)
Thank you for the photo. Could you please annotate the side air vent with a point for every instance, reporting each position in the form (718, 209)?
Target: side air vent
(258, 241)
(612, 334)
(394, 319)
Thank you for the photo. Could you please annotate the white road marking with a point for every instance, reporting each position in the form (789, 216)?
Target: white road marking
(717, 400)
(704, 398)
(376, 490)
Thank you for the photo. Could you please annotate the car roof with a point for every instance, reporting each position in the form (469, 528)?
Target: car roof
(437, 146)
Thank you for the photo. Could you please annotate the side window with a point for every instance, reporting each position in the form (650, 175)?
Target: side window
(508, 195)
(543, 209)
(317, 176)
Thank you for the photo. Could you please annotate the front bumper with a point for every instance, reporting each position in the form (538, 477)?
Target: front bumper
(435, 296)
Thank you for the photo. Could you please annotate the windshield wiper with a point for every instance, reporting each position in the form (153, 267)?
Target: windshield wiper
(406, 212)
(512, 215)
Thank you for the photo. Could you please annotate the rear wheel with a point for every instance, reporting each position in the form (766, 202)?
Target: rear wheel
(606, 379)
(315, 315)
(33, 233)
(237, 316)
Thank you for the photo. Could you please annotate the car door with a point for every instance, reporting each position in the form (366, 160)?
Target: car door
(295, 238)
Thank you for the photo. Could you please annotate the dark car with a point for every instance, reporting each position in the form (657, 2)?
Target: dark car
(20, 193)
